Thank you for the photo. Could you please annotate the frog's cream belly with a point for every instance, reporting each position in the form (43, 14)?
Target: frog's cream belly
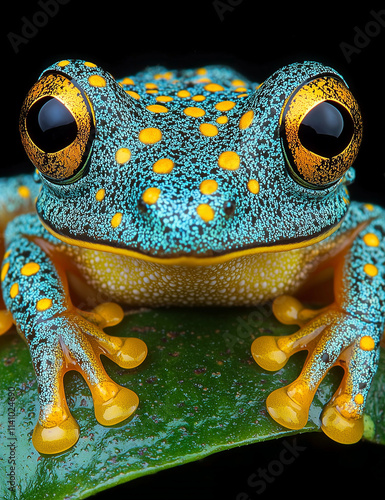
(245, 280)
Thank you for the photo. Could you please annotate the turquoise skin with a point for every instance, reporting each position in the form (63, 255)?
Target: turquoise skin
(191, 187)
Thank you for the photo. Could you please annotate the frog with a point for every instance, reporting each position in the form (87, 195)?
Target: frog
(191, 187)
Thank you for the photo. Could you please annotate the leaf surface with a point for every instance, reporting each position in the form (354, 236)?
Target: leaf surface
(200, 392)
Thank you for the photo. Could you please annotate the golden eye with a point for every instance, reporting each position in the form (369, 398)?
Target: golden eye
(321, 131)
(57, 128)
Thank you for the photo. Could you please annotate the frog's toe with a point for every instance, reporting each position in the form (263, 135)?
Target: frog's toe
(131, 354)
(268, 354)
(127, 352)
(287, 409)
(56, 429)
(272, 352)
(345, 430)
(342, 417)
(52, 437)
(108, 314)
(289, 406)
(290, 311)
(113, 403)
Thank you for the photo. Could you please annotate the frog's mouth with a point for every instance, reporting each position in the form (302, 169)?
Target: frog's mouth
(187, 259)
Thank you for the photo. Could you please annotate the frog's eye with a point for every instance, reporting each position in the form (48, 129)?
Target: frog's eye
(321, 131)
(57, 128)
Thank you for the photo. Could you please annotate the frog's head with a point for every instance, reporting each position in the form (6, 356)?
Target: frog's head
(172, 178)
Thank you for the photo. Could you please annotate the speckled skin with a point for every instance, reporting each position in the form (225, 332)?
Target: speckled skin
(186, 199)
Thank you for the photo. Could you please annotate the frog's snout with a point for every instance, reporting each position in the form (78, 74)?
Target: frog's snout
(207, 205)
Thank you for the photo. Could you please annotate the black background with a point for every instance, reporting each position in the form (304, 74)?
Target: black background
(256, 38)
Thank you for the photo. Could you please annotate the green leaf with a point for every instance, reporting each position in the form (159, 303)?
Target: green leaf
(200, 392)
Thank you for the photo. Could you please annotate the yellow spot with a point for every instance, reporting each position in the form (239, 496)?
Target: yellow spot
(237, 83)
(163, 166)
(369, 206)
(4, 271)
(229, 160)
(225, 105)
(201, 71)
(242, 95)
(150, 135)
(183, 93)
(116, 219)
(164, 98)
(100, 194)
(194, 112)
(246, 119)
(253, 186)
(133, 94)
(345, 200)
(199, 98)
(122, 155)
(97, 81)
(14, 290)
(43, 304)
(30, 269)
(208, 186)
(151, 195)
(23, 191)
(370, 270)
(240, 89)
(203, 80)
(208, 129)
(151, 86)
(61, 64)
(205, 212)
(90, 64)
(359, 399)
(371, 240)
(157, 108)
(152, 91)
(128, 81)
(222, 119)
(168, 75)
(213, 87)
(367, 343)
(7, 254)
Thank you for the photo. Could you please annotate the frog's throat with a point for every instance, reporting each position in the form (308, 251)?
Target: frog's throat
(191, 261)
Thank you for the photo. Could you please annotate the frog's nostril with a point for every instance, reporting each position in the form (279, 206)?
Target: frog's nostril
(229, 207)
(142, 206)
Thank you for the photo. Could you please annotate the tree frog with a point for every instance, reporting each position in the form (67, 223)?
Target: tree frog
(189, 188)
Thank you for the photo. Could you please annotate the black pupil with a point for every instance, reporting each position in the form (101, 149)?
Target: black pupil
(51, 125)
(327, 129)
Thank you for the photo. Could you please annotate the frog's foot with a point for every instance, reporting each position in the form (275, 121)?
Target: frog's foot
(72, 342)
(333, 338)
